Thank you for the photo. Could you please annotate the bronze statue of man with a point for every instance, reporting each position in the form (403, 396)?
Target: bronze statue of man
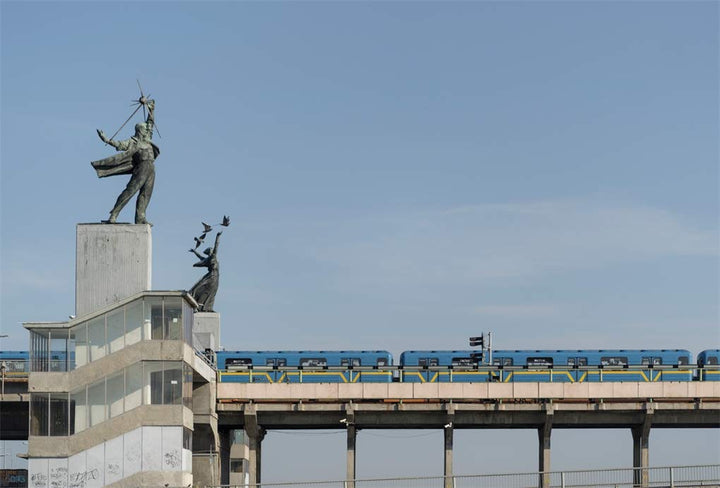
(138, 160)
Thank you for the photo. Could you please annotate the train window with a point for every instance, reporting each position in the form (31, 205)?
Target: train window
(269, 362)
(614, 360)
(350, 362)
(503, 361)
(422, 362)
(577, 361)
(651, 360)
(540, 361)
(381, 362)
(282, 362)
(712, 360)
(463, 362)
(313, 362)
(683, 360)
(229, 362)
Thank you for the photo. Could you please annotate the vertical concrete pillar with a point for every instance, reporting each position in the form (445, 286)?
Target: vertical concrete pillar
(225, 443)
(544, 448)
(448, 464)
(254, 434)
(351, 458)
(641, 451)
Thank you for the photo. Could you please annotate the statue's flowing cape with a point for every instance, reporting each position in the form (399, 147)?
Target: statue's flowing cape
(118, 164)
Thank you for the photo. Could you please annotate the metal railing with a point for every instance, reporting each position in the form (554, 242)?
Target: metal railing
(677, 476)
(464, 374)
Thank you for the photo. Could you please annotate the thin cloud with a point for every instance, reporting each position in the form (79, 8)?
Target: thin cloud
(508, 241)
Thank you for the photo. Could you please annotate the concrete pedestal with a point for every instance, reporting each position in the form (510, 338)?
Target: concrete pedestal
(206, 331)
(113, 262)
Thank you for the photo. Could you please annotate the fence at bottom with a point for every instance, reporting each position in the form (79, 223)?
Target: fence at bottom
(661, 477)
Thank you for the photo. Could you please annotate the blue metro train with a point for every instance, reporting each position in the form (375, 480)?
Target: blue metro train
(461, 366)
(582, 365)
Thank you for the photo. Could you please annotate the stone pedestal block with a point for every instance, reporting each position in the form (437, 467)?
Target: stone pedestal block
(206, 331)
(114, 261)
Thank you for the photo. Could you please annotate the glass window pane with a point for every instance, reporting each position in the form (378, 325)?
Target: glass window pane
(172, 391)
(78, 334)
(153, 382)
(39, 413)
(116, 394)
(116, 330)
(96, 401)
(133, 386)
(187, 385)
(58, 350)
(58, 414)
(96, 335)
(173, 318)
(187, 323)
(133, 322)
(153, 318)
(78, 411)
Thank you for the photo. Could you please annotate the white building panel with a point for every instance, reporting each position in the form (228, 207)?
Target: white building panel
(76, 470)
(187, 460)
(114, 460)
(58, 472)
(132, 452)
(152, 448)
(172, 440)
(38, 473)
(95, 467)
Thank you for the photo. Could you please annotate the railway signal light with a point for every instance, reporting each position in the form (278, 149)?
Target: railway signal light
(478, 341)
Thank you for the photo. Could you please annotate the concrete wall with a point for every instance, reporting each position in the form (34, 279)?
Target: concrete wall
(113, 262)
(450, 391)
(148, 448)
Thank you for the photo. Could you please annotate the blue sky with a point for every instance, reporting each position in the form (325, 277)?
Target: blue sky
(399, 175)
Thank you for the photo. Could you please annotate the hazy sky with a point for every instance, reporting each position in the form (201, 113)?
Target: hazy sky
(399, 175)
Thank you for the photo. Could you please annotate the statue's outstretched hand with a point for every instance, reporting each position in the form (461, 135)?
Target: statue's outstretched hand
(102, 136)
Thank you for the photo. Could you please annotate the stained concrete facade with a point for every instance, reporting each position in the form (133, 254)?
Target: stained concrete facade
(112, 262)
(119, 396)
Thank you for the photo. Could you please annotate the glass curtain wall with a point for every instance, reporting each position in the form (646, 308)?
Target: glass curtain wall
(149, 318)
(143, 383)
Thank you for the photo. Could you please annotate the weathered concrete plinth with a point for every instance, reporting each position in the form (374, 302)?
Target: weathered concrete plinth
(114, 261)
(206, 331)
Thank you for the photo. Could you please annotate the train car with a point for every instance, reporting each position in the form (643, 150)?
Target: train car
(707, 362)
(548, 365)
(312, 366)
(17, 363)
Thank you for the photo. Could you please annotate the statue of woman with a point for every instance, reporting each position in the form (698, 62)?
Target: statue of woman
(204, 290)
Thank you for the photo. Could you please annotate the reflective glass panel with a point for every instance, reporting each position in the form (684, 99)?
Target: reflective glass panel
(153, 318)
(96, 401)
(172, 390)
(58, 414)
(116, 330)
(133, 322)
(39, 413)
(78, 410)
(96, 335)
(78, 334)
(133, 386)
(173, 318)
(116, 394)
(153, 383)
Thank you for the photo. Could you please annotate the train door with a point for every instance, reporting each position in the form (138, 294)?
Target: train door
(276, 375)
(349, 375)
(648, 373)
(429, 375)
(576, 369)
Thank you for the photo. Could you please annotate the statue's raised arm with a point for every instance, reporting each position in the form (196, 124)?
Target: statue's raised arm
(137, 159)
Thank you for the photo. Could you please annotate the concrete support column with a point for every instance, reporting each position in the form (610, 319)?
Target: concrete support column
(225, 443)
(448, 464)
(255, 435)
(544, 448)
(641, 450)
(351, 463)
